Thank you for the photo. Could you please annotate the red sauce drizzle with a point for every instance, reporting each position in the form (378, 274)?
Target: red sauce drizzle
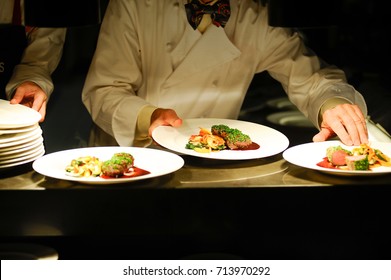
(135, 173)
(326, 164)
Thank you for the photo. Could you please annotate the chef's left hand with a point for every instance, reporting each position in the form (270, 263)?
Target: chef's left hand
(345, 121)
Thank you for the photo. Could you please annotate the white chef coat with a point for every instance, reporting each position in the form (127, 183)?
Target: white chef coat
(148, 55)
(41, 56)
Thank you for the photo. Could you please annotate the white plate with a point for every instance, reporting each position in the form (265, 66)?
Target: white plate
(27, 251)
(20, 155)
(309, 154)
(155, 161)
(16, 115)
(271, 141)
(290, 118)
(20, 151)
(20, 139)
(9, 138)
(21, 145)
(24, 160)
(18, 130)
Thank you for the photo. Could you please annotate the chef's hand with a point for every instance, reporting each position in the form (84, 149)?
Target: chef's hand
(31, 95)
(345, 121)
(166, 117)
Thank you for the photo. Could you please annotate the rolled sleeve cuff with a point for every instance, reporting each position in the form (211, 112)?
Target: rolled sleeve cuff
(143, 122)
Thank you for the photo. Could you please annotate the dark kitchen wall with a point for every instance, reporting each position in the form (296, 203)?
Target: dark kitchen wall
(360, 45)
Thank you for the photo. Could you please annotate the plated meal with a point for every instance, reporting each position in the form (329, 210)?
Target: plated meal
(363, 157)
(120, 165)
(336, 158)
(221, 139)
(107, 165)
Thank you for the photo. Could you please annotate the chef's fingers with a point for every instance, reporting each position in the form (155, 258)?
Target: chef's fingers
(323, 135)
(18, 97)
(355, 124)
(347, 122)
(167, 117)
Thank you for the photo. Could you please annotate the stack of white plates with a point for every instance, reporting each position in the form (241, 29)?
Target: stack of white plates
(21, 138)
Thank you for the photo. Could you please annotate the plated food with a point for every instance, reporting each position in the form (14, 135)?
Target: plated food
(120, 165)
(270, 141)
(220, 137)
(107, 165)
(363, 157)
(334, 157)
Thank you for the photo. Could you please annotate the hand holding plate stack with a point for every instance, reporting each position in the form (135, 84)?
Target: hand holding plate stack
(21, 138)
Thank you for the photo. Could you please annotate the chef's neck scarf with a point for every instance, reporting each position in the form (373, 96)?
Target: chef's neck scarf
(219, 12)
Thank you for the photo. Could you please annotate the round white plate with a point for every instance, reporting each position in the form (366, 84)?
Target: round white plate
(157, 162)
(20, 151)
(9, 138)
(16, 115)
(22, 145)
(271, 141)
(20, 155)
(27, 251)
(20, 139)
(309, 154)
(18, 130)
(24, 160)
(290, 118)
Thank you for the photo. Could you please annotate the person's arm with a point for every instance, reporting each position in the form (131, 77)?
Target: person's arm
(31, 83)
(312, 85)
(114, 77)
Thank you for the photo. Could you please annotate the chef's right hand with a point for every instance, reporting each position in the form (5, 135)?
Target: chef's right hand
(166, 117)
(31, 95)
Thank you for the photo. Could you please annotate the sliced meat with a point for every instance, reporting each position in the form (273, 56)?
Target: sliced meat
(234, 138)
(338, 157)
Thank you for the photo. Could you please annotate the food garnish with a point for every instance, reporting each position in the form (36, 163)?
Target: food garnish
(219, 137)
(119, 165)
(362, 157)
(87, 166)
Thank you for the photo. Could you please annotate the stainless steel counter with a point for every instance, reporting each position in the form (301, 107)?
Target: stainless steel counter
(203, 173)
(262, 209)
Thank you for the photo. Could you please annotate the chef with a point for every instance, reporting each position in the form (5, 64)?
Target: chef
(158, 62)
(28, 78)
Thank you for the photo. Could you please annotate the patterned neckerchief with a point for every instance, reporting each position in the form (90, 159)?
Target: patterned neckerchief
(219, 12)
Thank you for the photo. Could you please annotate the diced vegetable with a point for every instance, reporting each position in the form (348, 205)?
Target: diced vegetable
(357, 162)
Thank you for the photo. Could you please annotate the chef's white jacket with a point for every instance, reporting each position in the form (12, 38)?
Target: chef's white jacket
(148, 55)
(41, 56)
(39, 60)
